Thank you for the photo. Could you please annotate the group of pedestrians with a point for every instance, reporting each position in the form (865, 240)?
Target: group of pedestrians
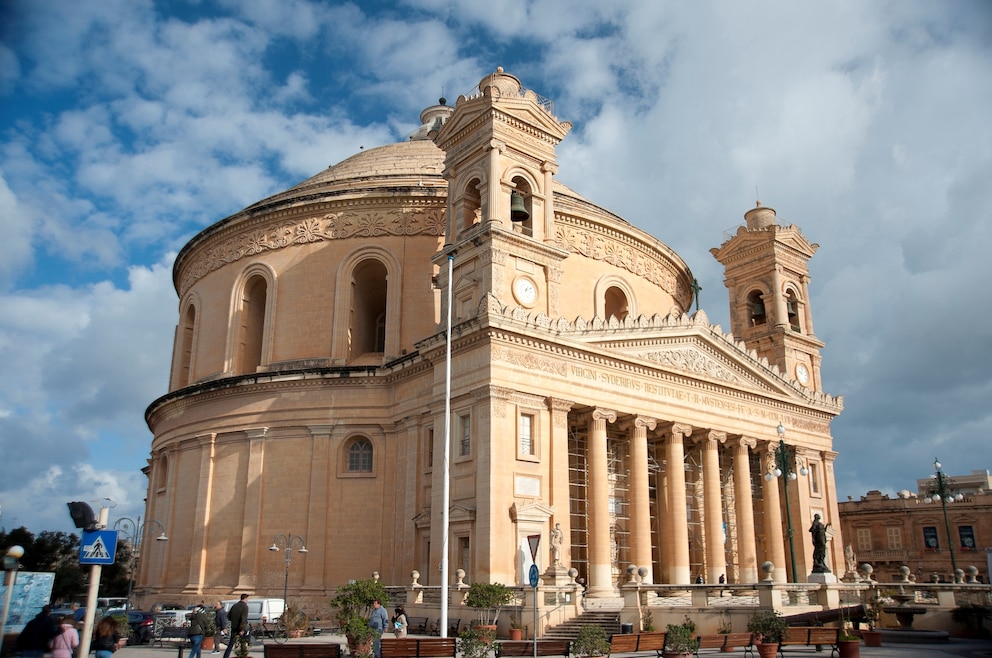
(58, 634)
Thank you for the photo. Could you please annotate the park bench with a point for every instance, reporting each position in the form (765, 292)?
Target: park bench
(727, 641)
(453, 626)
(311, 650)
(422, 647)
(417, 625)
(163, 633)
(810, 636)
(526, 648)
(638, 642)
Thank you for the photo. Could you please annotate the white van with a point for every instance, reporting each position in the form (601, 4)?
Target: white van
(258, 609)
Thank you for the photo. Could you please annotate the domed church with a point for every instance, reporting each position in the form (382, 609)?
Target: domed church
(317, 396)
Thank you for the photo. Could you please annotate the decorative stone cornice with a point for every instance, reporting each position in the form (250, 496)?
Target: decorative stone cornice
(427, 218)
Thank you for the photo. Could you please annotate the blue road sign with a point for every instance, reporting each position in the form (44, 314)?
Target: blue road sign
(535, 576)
(98, 547)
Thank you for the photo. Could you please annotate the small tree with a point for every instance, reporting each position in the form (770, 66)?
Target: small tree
(488, 599)
(353, 603)
(769, 625)
(591, 641)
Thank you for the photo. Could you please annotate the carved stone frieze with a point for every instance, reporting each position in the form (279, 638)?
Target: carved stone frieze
(345, 224)
(692, 360)
(530, 362)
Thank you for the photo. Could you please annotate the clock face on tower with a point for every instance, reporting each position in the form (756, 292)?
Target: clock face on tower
(802, 374)
(524, 291)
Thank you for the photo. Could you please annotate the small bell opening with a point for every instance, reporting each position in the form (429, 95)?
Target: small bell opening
(518, 210)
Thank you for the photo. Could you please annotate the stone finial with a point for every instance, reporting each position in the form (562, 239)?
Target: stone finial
(768, 568)
(415, 577)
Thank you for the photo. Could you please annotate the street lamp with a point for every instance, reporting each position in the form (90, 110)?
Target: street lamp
(785, 459)
(10, 565)
(943, 494)
(289, 542)
(134, 531)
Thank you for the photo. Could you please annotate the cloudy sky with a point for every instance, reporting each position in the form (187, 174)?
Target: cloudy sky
(130, 125)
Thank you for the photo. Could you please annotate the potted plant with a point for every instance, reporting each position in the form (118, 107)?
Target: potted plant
(725, 628)
(770, 627)
(353, 603)
(242, 646)
(294, 620)
(873, 612)
(516, 629)
(488, 599)
(477, 642)
(591, 641)
(209, 626)
(680, 639)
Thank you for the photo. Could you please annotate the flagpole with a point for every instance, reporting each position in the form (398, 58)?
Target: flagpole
(445, 490)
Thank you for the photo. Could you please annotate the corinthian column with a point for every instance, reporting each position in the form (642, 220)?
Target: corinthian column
(716, 557)
(600, 558)
(746, 552)
(677, 540)
(640, 497)
(774, 539)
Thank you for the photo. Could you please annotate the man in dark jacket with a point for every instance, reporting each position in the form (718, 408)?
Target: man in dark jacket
(239, 623)
(33, 640)
(220, 622)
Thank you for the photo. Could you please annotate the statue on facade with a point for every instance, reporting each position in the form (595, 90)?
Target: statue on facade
(819, 533)
(557, 539)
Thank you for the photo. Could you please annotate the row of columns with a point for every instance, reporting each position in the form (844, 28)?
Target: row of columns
(675, 545)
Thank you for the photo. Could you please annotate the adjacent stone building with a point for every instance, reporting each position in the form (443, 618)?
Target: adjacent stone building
(309, 383)
(911, 530)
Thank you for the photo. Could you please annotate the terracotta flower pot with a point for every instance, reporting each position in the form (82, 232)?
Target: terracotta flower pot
(766, 650)
(849, 648)
(516, 633)
(872, 638)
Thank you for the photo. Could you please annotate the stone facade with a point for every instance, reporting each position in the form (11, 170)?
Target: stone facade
(909, 530)
(309, 384)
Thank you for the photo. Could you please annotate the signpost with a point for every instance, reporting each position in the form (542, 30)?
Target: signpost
(98, 547)
(535, 579)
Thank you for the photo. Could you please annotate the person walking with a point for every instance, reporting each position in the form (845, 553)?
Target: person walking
(239, 623)
(33, 640)
(400, 622)
(197, 622)
(220, 620)
(378, 621)
(107, 637)
(64, 644)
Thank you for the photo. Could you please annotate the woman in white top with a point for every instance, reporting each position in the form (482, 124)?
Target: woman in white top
(400, 622)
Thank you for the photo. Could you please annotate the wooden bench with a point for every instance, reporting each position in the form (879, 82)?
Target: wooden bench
(726, 641)
(811, 636)
(637, 642)
(526, 648)
(453, 626)
(417, 625)
(313, 650)
(422, 647)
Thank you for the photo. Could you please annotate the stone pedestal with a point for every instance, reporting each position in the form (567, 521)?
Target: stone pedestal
(556, 575)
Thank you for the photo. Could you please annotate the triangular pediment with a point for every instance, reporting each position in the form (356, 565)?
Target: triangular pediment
(747, 240)
(523, 113)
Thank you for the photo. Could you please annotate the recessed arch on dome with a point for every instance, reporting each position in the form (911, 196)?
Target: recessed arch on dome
(251, 319)
(614, 297)
(367, 305)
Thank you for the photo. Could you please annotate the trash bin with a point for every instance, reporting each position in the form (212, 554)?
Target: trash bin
(626, 629)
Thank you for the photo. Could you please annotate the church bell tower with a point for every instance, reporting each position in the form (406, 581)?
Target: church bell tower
(767, 275)
(499, 161)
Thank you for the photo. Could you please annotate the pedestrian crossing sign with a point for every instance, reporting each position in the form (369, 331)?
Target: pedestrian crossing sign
(98, 547)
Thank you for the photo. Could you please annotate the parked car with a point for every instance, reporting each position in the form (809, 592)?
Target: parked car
(258, 609)
(142, 626)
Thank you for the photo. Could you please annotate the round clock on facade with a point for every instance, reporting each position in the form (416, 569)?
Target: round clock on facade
(802, 374)
(524, 290)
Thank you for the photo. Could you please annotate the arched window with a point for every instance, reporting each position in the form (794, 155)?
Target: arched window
(368, 308)
(756, 308)
(252, 325)
(792, 309)
(471, 204)
(184, 347)
(615, 303)
(360, 456)
(522, 187)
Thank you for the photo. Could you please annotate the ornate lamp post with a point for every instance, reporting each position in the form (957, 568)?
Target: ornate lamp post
(10, 565)
(134, 531)
(785, 459)
(942, 493)
(288, 542)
